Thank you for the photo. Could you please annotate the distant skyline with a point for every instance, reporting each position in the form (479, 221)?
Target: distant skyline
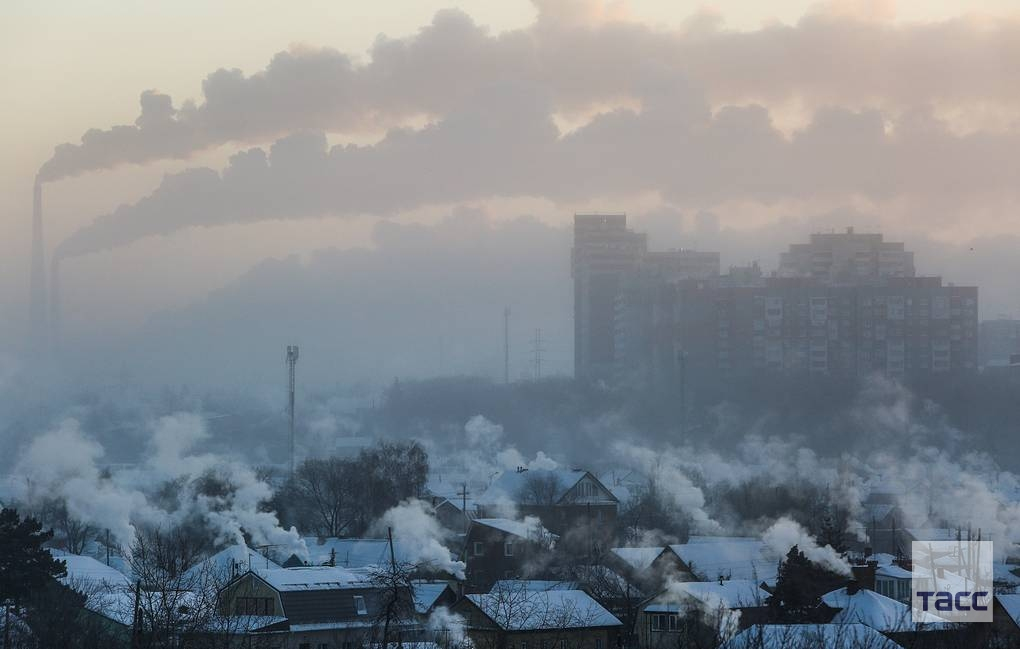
(938, 87)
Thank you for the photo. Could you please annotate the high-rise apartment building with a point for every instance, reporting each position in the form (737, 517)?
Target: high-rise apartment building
(843, 305)
(604, 252)
(847, 258)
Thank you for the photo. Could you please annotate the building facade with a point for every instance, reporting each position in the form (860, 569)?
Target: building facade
(606, 257)
(844, 305)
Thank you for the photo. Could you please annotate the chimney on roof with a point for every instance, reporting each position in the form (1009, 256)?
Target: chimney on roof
(852, 586)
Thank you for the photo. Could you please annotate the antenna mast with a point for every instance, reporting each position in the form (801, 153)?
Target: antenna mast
(292, 356)
(536, 351)
(506, 345)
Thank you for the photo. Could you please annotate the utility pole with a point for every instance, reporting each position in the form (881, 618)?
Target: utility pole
(536, 350)
(506, 345)
(292, 358)
(463, 504)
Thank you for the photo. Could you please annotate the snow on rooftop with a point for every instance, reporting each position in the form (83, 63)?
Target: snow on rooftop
(358, 553)
(810, 636)
(426, 593)
(873, 609)
(533, 610)
(314, 578)
(233, 560)
(509, 585)
(639, 558)
(507, 488)
(1011, 604)
(735, 593)
(87, 571)
(739, 558)
(517, 528)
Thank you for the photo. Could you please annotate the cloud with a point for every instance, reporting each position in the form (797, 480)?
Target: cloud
(583, 55)
(503, 143)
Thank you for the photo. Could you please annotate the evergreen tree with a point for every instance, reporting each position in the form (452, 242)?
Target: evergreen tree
(799, 588)
(26, 567)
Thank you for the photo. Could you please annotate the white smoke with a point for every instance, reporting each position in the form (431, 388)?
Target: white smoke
(452, 628)
(63, 465)
(669, 471)
(421, 536)
(786, 533)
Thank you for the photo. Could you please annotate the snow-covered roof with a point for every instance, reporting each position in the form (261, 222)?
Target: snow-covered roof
(735, 593)
(234, 560)
(87, 571)
(517, 528)
(358, 553)
(426, 593)
(639, 558)
(509, 585)
(313, 578)
(729, 559)
(510, 485)
(893, 571)
(1011, 604)
(531, 610)
(809, 636)
(875, 610)
(1003, 574)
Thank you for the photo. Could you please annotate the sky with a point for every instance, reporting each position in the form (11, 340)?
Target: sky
(739, 125)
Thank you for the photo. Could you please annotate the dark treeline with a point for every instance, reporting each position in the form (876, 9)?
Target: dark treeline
(831, 415)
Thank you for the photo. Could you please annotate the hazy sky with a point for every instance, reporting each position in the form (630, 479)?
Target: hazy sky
(939, 77)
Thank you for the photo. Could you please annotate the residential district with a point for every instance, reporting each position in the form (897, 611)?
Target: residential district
(532, 562)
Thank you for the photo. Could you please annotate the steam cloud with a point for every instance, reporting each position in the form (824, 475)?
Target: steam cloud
(63, 465)
(421, 535)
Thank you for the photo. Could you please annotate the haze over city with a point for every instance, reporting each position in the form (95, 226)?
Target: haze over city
(641, 286)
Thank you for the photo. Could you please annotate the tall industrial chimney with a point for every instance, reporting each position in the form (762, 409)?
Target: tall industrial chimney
(292, 357)
(54, 314)
(37, 282)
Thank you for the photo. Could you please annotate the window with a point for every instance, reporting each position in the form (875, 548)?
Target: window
(598, 643)
(524, 644)
(508, 548)
(322, 645)
(359, 604)
(479, 550)
(563, 644)
(305, 645)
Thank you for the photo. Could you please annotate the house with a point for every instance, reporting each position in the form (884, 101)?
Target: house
(695, 612)
(809, 636)
(895, 620)
(710, 558)
(109, 593)
(315, 606)
(517, 615)
(430, 595)
(645, 566)
(500, 548)
(567, 501)
(454, 514)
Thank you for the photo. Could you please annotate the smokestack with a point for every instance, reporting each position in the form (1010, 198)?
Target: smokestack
(54, 314)
(37, 282)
